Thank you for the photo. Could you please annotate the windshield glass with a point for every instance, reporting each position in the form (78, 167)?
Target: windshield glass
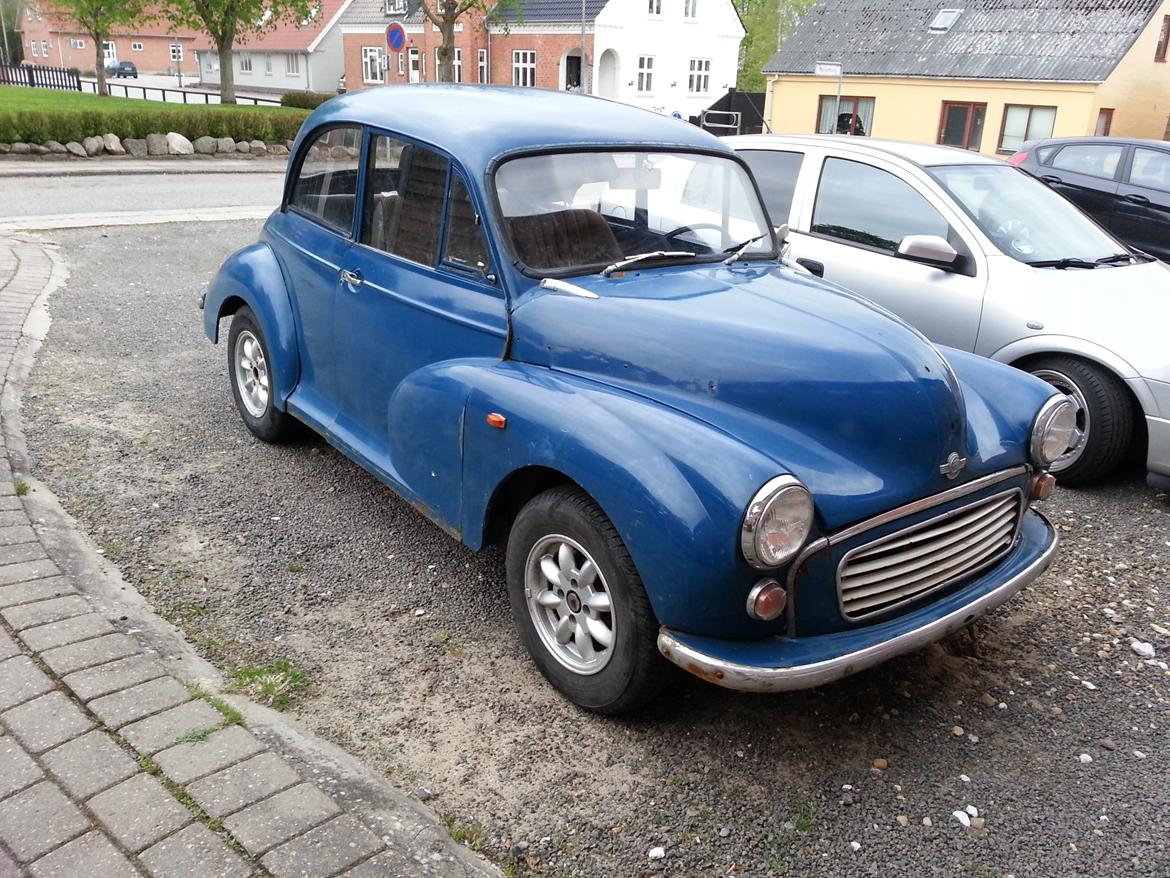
(1023, 217)
(581, 212)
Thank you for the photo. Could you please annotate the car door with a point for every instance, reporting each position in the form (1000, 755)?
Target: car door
(1086, 174)
(1142, 216)
(310, 238)
(850, 230)
(418, 292)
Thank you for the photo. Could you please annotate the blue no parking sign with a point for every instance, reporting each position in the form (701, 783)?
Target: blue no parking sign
(395, 37)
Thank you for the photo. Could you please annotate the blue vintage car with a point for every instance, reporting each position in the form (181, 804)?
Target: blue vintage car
(561, 323)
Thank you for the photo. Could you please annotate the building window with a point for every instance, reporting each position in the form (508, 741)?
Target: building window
(292, 64)
(136, 47)
(209, 64)
(1104, 122)
(176, 52)
(395, 7)
(481, 64)
(32, 44)
(690, 8)
(1163, 40)
(645, 74)
(77, 44)
(371, 64)
(245, 62)
(109, 51)
(458, 64)
(401, 64)
(655, 7)
(854, 115)
(699, 81)
(1022, 123)
(45, 48)
(962, 124)
(524, 68)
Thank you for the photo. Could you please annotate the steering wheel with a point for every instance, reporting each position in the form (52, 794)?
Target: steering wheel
(676, 232)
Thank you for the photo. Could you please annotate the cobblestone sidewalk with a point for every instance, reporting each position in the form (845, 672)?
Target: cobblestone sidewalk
(109, 765)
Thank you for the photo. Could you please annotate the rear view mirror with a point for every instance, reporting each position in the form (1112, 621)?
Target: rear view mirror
(928, 249)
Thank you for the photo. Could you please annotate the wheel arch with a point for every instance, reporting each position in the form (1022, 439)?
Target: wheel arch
(511, 495)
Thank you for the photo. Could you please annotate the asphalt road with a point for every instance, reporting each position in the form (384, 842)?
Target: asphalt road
(1045, 723)
(59, 195)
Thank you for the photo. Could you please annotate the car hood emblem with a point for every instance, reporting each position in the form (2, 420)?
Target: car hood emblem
(953, 466)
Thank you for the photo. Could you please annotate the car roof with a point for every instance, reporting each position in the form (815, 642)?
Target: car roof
(924, 154)
(1093, 138)
(477, 124)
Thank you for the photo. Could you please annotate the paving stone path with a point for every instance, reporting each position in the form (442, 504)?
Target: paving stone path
(109, 765)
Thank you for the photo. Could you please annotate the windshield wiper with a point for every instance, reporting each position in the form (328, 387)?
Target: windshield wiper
(1117, 257)
(737, 250)
(1067, 262)
(657, 254)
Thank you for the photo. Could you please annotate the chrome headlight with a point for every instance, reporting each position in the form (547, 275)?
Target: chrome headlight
(776, 523)
(1053, 430)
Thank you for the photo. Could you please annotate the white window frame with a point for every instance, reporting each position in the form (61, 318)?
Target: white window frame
(176, 51)
(76, 44)
(245, 62)
(458, 63)
(645, 81)
(395, 7)
(524, 67)
(699, 76)
(32, 44)
(109, 52)
(373, 64)
(292, 64)
(690, 9)
(481, 67)
(401, 63)
(136, 46)
(45, 48)
(655, 8)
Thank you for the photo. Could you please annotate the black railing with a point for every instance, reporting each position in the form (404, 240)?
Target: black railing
(158, 93)
(35, 76)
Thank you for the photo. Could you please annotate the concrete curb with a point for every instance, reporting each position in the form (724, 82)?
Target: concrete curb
(108, 763)
(41, 166)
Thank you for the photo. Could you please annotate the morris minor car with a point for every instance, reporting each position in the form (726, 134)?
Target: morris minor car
(561, 324)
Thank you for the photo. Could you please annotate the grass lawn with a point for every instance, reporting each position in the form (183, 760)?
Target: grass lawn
(14, 98)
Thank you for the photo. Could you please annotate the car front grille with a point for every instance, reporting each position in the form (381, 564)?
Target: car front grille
(909, 563)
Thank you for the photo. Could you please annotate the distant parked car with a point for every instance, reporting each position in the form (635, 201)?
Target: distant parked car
(560, 325)
(1122, 184)
(978, 255)
(122, 70)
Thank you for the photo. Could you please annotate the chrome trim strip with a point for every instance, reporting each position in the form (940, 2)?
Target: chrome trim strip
(747, 678)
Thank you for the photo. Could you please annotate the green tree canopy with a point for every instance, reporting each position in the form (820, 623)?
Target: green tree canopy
(99, 19)
(767, 23)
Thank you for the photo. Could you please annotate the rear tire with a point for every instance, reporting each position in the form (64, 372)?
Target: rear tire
(1105, 417)
(573, 587)
(251, 375)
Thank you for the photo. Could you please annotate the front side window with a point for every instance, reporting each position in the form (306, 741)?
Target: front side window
(1094, 159)
(371, 64)
(1022, 123)
(776, 174)
(1151, 168)
(463, 244)
(864, 205)
(699, 81)
(1023, 217)
(326, 185)
(645, 73)
(573, 213)
(524, 67)
(849, 115)
(403, 211)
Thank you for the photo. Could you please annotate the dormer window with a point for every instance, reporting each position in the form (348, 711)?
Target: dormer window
(943, 21)
(396, 7)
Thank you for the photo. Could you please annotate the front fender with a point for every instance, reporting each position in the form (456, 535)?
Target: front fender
(252, 277)
(674, 488)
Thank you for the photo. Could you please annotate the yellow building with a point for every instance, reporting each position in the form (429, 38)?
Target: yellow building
(987, 76)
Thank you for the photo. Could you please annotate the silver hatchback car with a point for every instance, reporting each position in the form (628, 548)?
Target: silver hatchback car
(980, 256)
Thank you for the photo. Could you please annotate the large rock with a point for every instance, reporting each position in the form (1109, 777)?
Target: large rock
(177, 144)
(5, 148)
(278, 149)
(259, 147)
(21, 149)
(156, 144)
(38, 149)
(204, 145)
(93, 145)
(225, 144)
(243, 146)
(56, 147)
(75, 148)
(136, 147)
(113, 144)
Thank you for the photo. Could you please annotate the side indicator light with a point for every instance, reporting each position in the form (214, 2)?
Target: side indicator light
(497, 420)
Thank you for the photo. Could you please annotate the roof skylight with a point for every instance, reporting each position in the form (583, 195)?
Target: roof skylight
(944, 19)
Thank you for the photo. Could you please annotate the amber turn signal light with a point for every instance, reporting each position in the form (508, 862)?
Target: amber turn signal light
(497, 420)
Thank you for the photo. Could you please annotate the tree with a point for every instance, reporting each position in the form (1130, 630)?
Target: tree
(99, 19)
(11, 45)
(224, 20)
(767, 23)
(444, 14)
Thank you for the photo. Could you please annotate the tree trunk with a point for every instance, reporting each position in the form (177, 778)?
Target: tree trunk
(446, 71)
(227, 73)
(100, 68)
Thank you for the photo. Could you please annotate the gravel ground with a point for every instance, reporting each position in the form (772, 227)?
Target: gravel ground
(1044, 722)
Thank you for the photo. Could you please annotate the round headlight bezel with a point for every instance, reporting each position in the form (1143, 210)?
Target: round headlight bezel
(1056, 406)
(762, 504)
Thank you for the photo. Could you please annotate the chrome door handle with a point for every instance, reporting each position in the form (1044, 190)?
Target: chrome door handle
(352, 278)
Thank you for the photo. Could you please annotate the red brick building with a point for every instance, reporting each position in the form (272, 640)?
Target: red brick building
(52, 39)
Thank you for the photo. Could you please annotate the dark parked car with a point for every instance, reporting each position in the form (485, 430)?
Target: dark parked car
(122, 70)
(1123, 184)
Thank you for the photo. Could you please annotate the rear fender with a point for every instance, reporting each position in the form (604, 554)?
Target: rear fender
(252, 277)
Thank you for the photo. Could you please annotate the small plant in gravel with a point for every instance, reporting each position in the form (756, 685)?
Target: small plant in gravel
(231, 716)
(295, 567)
(275, 684)
(195, 736)
(20, 486)
(471, 834)
(802, 816)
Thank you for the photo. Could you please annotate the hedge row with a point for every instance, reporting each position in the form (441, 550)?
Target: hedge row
(26, 126)
(305, 100)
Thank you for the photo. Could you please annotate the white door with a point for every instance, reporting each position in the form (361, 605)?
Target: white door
(850, 231)
(415, 66)
(110, 52)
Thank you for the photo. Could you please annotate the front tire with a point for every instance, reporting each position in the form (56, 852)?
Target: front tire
(1105, 417)
(251, 376)
(579, 604)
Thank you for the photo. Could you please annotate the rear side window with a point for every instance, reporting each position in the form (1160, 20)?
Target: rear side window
(776, 172)
(1151, 168)
(404, 200)
(864, 205)
(1093, 159)
(326, 186)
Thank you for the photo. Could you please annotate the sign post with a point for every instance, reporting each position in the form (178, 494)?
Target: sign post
(831, 68)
